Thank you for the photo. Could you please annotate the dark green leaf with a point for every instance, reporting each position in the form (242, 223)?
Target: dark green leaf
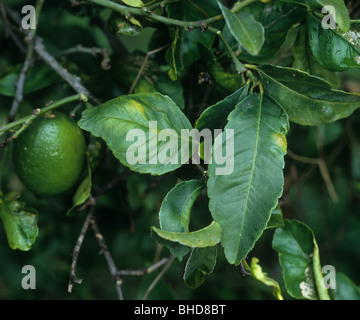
(39, 77)
(245, 29)
(175, 211)
(192, 11)
(201, 262)
(334, 50)
(228, 82)
(308, 100)
(176, 248)
(215, 116)
(305, 61)
(207, 57)
(242, 200)
(299, 259)
(342, 17)
(276, 218)
(277, 19)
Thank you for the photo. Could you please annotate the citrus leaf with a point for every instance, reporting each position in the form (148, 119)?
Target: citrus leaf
(308, 100)
(334, 50)
(242, 201)
(83, 191)
(227, 82)
(245, 29)
(205, 237)
(187, 52)
(341, 17)
(176, 248)
(215, 116)
(38, 77)
(201, 262)
(20, 223)
(175, 209)
(171, 55)
(174, 214)
(124, 119)
(300, 260)
(305, 61)
(277, 19)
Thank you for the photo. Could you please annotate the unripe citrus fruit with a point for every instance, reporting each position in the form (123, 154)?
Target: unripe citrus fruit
(49, 155)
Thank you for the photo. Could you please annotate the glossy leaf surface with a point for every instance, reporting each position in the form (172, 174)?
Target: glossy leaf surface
(308, 100)
(242, 201)
(334, 50)
(201, 262)
(245, 29)
(115, 119)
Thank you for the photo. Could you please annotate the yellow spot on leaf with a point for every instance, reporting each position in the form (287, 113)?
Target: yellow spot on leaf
(137, 107)
(280, 140)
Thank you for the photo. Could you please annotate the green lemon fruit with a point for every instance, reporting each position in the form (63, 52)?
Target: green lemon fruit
(49, 155)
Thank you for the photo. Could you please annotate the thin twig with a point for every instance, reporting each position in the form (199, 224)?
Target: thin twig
(105, 53)
(328, 182)
(90, 219)
(323, 166)
(320, 162)
(157, 254)
(9, 31)
(158, 277)
(303, 159)
(150, 53)
(20, 83)
(19, 94)
(72, 80)
(111, 263)
(143, 272)
(80, 48)
(145, 12)
(73, 278)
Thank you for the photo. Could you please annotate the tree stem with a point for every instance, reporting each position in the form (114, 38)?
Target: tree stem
(203, 24)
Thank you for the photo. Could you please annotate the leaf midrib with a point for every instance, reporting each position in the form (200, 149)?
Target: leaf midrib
(252, 169)
(339, 34)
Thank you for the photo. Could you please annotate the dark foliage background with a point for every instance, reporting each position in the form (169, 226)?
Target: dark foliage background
(126, 213)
